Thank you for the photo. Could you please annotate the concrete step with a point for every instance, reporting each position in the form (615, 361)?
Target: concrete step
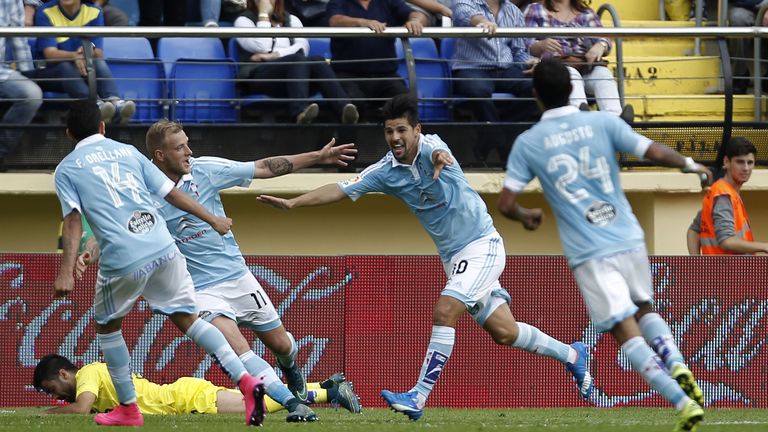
(631, 9)
(658, 46)
(674, 75)
(681, 107)
(646, 23)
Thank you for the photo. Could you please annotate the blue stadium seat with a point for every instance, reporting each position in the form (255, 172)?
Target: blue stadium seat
(128, 48)
(139, 76)
(320, 46)
(130, 7)
(203, 91)
(433, 86)
(170, 49)
(201, 79)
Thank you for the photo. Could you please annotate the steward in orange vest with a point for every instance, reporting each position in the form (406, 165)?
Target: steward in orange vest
(722, 226)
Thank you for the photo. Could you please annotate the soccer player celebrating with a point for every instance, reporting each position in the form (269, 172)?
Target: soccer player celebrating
(227, 293)
(421, 171)
(110, 183)
(573, 154)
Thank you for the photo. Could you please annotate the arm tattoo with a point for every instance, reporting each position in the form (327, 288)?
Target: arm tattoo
(279, 166)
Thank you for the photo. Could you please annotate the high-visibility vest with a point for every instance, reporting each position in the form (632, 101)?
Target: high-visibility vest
(709, 244)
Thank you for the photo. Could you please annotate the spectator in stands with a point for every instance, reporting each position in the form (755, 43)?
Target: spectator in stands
(582, 55)
(271, 58)
(25, 96)
(169, 13)
(722, 226)
(743, 13)
(113, 16)
(209, 11)
(483, 66)
(67, 53)
(366, 65)
(433, 11)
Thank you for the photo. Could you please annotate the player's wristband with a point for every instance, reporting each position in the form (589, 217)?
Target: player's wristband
(690, 165)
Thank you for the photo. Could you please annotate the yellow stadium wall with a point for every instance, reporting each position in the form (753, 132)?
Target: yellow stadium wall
(664, 203)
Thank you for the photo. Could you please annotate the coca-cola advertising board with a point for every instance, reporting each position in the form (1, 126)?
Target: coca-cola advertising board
(370, 316)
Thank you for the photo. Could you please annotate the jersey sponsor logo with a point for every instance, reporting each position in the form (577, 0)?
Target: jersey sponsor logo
(187, 229)
(141, 222)
(601, 213)
(353, 180)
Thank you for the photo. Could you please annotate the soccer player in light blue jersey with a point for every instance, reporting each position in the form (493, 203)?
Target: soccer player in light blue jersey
(110, 184)
(227, 293)
(573, 154)
(421, 171)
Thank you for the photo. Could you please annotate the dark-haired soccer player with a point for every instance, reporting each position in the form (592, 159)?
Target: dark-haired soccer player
(421, 171)
(573, 153)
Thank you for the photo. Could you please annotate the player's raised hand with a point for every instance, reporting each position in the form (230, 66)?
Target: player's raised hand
(274, 201)
(221, 224)
(64, 284)
(531, 218)
(337, 154)
(441, 159)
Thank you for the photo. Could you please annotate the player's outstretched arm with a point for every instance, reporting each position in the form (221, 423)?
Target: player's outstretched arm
(509, 207)
(665, 156)
(184, 202)
(327, 194)
(330, 154)
(82, 405)
(71, 232)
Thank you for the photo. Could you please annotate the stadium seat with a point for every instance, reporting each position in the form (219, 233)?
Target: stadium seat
(139, 76)
(201, 79)
(130, 7)
(127, 48)
(203, 91)
(171, 49)
(432, 83)
(320, 46)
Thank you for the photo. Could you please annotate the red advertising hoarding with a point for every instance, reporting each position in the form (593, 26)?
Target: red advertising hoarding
(370, 316)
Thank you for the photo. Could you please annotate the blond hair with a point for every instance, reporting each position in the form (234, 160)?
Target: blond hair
(158, 132)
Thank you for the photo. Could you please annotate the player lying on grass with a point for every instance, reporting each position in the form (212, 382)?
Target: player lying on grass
(90, 389)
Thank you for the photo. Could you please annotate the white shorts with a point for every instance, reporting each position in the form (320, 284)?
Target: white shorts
(473, 277)
(612, 286)
(242, 300)
(164, 283)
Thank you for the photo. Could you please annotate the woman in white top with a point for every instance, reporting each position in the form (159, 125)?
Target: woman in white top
(265, 59)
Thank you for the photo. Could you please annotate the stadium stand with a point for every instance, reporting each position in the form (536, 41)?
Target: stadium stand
(200, 80)
(139, 76)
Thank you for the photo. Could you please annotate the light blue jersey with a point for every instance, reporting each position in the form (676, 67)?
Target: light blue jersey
(451, 211)
(573, 154)
(211, 258)
(111, 184)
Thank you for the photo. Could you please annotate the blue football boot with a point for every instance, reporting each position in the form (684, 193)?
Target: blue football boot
(580, 371)
(404, 403)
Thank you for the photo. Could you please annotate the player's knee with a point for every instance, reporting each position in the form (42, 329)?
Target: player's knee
(504, 336)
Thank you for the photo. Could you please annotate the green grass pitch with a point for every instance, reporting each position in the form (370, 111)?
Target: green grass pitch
(434, 420)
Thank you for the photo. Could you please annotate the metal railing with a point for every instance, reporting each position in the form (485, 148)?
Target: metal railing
(617, 32)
